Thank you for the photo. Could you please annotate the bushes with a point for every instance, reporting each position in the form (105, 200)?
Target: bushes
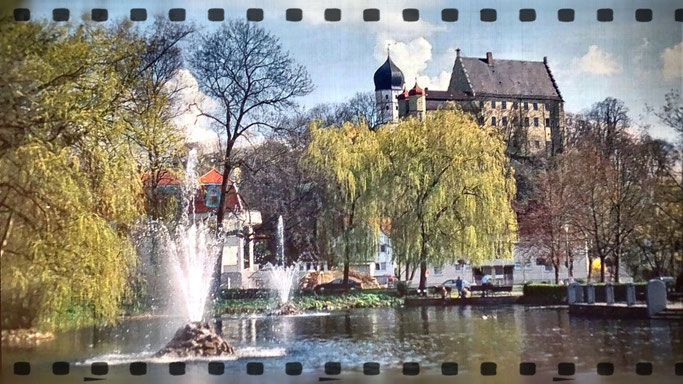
(545, 292)
(402, 288)
(328, 301)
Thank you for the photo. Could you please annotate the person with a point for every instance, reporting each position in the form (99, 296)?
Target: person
(486, 284)
(444, 294)
(458, 286)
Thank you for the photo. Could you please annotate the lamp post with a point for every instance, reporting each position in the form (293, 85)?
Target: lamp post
(567, 254)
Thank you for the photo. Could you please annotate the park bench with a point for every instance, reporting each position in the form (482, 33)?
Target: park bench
(486, 290)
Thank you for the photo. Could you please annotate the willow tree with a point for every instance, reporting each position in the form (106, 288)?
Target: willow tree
(349, 162)
(69, 191)
(448, 190)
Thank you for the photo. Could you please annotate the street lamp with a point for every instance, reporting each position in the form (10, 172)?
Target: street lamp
(568, 256)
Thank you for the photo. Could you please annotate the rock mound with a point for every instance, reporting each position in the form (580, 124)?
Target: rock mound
(196, 339)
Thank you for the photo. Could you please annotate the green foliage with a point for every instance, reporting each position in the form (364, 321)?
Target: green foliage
(331, 301)
(69, 191)
(448, 190)
(348, 160)
(552, 292)
(402, 288)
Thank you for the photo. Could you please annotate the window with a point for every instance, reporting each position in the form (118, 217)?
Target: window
(514, 104)
(547, 122)
(383, 248)
(535, 106)
(386, 108)
(377, 267)
(383, 266)
(537, 144)
(548, 267)
(458, 267)
(535, 121)
(518, 266)
(526, 121)
(493, 103)
(527, 265)
(540, 261)
(386, 97)
(493, 121)
(526, 105)
(504, 104)
(547, 106)
(505, 121)
(302, 267)
(212, 194)
(437, 271)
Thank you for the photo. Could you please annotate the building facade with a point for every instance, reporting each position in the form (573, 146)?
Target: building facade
(521, 98)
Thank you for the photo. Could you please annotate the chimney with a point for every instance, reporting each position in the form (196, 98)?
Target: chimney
(545, 59)
(489, 59)
(457, 53)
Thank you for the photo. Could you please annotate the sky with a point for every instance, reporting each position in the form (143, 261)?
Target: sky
(633, 61)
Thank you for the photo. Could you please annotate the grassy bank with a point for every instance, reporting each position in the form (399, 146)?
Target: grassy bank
(328, 301)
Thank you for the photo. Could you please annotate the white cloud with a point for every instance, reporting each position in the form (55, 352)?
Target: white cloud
(672, 60)
(412, 57)
(596, 62)
(196, 128)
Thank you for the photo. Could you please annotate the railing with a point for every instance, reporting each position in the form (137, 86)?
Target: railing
(655, 295)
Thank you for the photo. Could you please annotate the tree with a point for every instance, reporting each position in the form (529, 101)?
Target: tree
(448, 190)
(544, 221)
(68, 189)
(245, 69)
(154, 103)
(347, 159)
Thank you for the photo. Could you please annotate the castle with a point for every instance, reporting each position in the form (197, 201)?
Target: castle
(521, 98)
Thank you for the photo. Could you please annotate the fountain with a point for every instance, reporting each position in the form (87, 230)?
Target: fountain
(191, 254)
(280, 277)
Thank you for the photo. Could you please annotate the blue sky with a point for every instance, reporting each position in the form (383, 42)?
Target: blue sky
(636, 62)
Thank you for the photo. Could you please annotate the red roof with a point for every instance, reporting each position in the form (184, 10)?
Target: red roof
(403, 94)
(416, 90)
(211, 177)
(163, 177)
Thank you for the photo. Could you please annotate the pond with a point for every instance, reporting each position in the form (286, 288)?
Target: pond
(430, 336)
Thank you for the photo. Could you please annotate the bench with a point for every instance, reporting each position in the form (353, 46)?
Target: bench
(490, 289)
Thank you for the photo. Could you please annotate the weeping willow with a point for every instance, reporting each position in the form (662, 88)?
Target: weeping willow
(348, 160)
(448, 190)
(69, 187)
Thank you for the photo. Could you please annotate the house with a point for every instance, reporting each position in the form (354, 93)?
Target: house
(239, 222)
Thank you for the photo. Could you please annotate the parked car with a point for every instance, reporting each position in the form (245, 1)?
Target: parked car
(337, 285)
(670, 283)
(449, 284)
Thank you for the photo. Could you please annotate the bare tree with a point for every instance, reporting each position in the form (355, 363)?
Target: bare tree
(246, 70)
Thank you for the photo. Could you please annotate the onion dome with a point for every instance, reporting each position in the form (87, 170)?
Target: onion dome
(388, 76)
(416, 90)
(403, 95)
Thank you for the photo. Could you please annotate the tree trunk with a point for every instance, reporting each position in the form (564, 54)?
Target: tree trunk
(346, 274)
(423, 271)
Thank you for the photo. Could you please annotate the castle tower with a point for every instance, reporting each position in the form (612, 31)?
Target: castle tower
(388, 85)
(417, 105)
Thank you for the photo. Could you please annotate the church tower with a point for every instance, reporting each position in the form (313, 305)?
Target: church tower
(388, 85)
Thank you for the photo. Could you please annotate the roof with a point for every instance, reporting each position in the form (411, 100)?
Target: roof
(388, 76)
(163, 177)
(416, 90)
(510, 78)
(435, 99)
(211, 177)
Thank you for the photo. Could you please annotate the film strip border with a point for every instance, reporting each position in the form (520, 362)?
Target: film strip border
(335, 368)
(369, 15)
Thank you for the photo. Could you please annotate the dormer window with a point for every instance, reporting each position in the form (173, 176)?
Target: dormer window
(535, 106)
(212, 195)
(493, 104)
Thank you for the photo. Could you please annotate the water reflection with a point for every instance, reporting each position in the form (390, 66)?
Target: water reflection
(430, 335)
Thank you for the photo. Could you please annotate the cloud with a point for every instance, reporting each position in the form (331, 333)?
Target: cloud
(672, 60)
(596, 62)
(196, 128)
(412, 57)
